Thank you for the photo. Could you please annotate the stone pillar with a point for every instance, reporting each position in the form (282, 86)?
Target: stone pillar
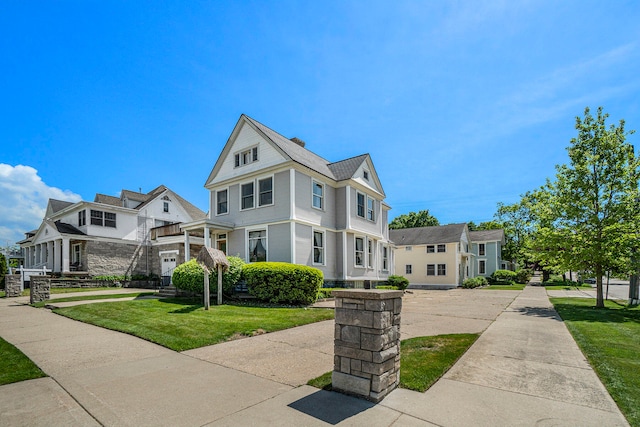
(367, 342)
(13, 285)
(40, 288)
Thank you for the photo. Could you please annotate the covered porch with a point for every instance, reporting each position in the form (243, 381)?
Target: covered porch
(214, 232)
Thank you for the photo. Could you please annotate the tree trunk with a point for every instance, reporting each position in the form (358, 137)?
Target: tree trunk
(599, 293)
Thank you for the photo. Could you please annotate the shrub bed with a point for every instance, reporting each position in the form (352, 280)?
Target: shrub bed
(400, 282)
(283, 283)
(475, 282)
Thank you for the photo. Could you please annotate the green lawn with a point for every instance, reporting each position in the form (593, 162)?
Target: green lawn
(181, 324)
(91, 297)
(423, 360)
(610, 339)
(514, 287)
(15, 366)
(567, 287)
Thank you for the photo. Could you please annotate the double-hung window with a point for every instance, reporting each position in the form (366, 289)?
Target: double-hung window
(318, 247)
(482, 266)
(431, 249)
(408, 268)
(82, 218)
(165, 207)
(360, 200)
(222, 202)
(246, 196)
(109, 219)
(371, 212)
(97, 217)
(370, 253)
(431, 269)
(442, 269)
(257, 245)
(265, 191)
(481, 249)
(442, 248)
(318, 195)
(385, 258)
(359, 252)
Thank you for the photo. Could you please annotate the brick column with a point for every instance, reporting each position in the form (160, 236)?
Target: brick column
(367, 342)
(40, 288)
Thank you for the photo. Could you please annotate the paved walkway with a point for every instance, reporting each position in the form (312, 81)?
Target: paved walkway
(525, 369)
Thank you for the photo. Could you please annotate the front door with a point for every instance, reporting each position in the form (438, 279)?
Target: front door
(168, 265)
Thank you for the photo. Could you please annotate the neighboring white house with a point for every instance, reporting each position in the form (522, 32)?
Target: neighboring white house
(271, 199)
(433, 256)
(131, 234)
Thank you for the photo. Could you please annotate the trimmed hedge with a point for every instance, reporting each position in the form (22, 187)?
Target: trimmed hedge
(283, 283)
(400, 282)
(189, 276)
(504, 276)
(523, 275)
(475, 282)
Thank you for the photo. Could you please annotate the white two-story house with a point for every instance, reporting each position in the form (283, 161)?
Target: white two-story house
(271, 199)
(125, 235)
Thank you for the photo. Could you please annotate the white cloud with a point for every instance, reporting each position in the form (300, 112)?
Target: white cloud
(23, 201)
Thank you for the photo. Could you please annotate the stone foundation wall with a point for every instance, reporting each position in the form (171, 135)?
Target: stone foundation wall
(367, 342)
(40, 289)
(118, 259)
(12, 285)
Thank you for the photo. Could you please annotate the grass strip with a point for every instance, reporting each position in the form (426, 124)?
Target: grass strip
(16, 366)
(423, 360)
(610, 340)
(181, 324)
(90, 298)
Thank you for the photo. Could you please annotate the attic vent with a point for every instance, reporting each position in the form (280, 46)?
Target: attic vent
(298, 141)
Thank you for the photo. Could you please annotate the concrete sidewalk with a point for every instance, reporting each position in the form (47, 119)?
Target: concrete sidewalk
(525, 369)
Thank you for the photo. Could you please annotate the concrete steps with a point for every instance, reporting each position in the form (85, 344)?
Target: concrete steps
(167, 292)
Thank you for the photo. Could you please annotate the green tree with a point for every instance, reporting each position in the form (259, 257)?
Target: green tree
(3, 269)
(414, 219)
(589, 220)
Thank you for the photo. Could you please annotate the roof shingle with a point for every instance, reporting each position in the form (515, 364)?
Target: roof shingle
(427, 235)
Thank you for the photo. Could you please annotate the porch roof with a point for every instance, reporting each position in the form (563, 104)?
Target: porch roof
(203, 223)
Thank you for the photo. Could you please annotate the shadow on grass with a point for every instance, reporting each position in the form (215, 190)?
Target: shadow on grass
(584, 310)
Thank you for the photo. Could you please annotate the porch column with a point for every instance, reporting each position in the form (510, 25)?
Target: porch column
(65, 254)
(57, 252)
(50, 255)
(207, 237)
(187, 247)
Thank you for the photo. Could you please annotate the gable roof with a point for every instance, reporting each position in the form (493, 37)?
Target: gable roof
(65, 228)
(427, 235)
(58, 205)
(107, 200)
(337, 171)
(487, 235)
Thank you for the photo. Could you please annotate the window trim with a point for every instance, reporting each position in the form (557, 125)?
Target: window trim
(251, 154)
(253, 195)
(431, 249)
(371, 213)
(364, 204)
(445, 269)
(224, 239)
(82, 218)
(408, 269)
(266, 237)
(323, 248)
(272, 191)
(482, 252)
(385, 258)
(363, 251)
(165, 206)
(314, 183)
(484, 261)
(371, 253)
(114, 220)
(217, 203)
(77, 246)
(443, 246)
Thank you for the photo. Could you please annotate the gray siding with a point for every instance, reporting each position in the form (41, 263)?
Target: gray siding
(279, 242)
(236, 243)
(340, 196)
(303, 245)
(363, 224)
(304, 206)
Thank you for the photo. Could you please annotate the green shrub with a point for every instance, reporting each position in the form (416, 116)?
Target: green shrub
(504, 276)
(110, 278)
(189, 276)
(387, 287)
(475, 282)
(399, 281)
(523, 275)
(283, 283)
(326, 292)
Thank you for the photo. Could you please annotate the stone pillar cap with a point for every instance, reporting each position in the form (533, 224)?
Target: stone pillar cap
(367, 293)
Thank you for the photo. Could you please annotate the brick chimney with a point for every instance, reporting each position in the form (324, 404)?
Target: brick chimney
(298, 141)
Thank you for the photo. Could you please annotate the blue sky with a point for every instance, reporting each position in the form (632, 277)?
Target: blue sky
(461, 104)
